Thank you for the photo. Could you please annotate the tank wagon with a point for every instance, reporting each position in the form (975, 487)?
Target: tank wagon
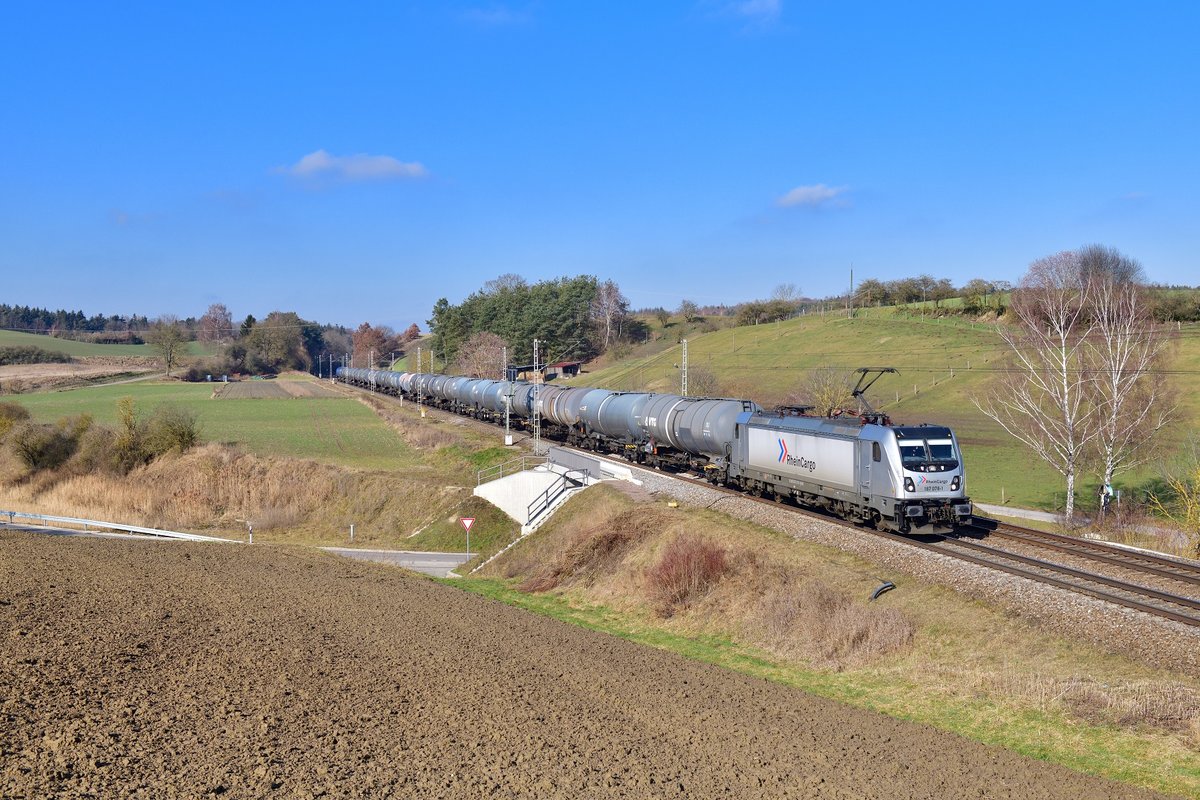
(860, 467)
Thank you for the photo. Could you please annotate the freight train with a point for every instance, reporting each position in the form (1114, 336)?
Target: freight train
(907, 478)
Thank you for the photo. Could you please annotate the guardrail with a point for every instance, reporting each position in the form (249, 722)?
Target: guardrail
(114, 526)
(543, 500)
(510, 467)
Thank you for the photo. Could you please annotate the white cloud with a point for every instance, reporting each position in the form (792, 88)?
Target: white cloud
(761, 11)
(814, 196)
(358, 167)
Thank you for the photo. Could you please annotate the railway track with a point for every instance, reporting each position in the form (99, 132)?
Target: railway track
(1172, 605)
(1132, 559)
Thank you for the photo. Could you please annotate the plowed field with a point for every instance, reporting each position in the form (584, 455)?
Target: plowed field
(147, 669)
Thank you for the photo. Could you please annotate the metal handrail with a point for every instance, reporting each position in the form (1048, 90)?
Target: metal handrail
(115, 526)
(497, 471)
(558, 487)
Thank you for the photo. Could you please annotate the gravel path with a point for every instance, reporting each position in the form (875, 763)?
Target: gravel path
(146, 669)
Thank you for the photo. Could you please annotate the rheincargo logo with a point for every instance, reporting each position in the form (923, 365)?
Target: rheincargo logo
(792, 461)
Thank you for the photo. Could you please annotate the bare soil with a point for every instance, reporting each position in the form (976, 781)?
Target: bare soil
(40, 377)
(274, 390)
(149, 669)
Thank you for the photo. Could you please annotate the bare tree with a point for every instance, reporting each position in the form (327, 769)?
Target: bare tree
(1047, 400)
(688, 310)
(216, 325)
(1098, 262)
(168, 339)
(609, 309)
(1132, 398)
(826, 390)
(505, 282)
(481, 356)
(1180, 500)
(787, 292)
(372, 343)
(702, 382)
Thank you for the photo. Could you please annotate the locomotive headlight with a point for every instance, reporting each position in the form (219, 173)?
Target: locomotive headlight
(954, 484)
(909, 486)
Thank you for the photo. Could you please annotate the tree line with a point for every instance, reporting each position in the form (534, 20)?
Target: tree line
(574, 318)
(62, 322)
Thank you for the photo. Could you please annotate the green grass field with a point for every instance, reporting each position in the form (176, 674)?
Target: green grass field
(944, 363)
(86, 349)
(339, 431)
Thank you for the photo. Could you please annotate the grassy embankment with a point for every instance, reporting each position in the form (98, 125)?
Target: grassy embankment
(796, 613)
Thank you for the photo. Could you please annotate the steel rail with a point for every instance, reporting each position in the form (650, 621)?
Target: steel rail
(1149, 563)
(1075, 588)
(1078, 573)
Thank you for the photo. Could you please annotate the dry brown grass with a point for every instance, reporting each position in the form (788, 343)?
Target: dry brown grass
(688, 567)
(585, 555)
(427, 433)
(217, 487)
(1153, 704)
(803, 617)
(692, 568)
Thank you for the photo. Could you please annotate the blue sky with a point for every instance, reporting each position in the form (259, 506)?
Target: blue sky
(356, 161)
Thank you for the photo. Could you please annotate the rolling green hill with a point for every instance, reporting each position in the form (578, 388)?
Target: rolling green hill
(943, 364)
(86, 349)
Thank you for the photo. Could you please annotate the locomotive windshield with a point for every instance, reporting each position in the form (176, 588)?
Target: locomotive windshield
(926, 449)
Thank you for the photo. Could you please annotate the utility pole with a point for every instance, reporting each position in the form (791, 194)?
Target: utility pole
(420, 399)
(683, 371)
(537, 411)
(850, 297)
(508, 396)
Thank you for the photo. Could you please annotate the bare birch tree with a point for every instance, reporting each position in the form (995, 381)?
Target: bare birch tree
(1132, 398)
(216, 325)
(609, 310)
(1046, 401)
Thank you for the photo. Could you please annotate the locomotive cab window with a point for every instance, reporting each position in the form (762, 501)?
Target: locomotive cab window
(941, 450)
(912, 452)
(876, 454)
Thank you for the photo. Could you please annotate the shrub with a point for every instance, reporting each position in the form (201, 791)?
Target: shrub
(11, 414)
(31, 355)
(95, 452)
(170, 428)
(41, 447)
(688, 568)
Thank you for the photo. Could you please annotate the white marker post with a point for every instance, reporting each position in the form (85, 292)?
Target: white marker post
(467, 522)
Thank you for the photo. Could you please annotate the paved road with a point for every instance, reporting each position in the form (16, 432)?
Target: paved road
(436, 564)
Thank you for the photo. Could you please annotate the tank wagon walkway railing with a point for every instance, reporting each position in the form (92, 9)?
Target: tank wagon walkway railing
(511, 467)
(92, 525)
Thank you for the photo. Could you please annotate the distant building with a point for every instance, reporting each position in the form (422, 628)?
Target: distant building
(568, 369)
(526, 372)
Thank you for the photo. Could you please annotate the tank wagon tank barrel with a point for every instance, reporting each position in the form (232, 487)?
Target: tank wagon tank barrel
(860, 467)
